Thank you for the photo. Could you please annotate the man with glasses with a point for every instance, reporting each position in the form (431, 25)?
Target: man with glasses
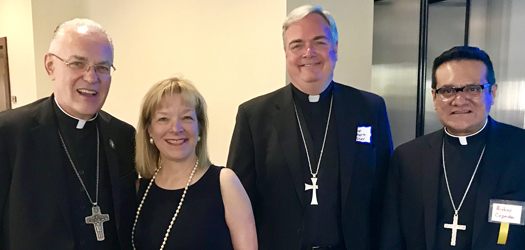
(463, 186)
(66, 167)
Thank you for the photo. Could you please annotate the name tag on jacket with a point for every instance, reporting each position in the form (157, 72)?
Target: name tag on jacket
(364, 134)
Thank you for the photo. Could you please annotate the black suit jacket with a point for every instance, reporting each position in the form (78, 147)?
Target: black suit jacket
(412, 196)
(264, 153)
(34, 211)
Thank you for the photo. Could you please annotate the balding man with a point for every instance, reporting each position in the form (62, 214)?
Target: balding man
(66, 167)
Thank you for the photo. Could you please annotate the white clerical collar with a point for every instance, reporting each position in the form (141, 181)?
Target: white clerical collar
(463, 139)
(81, 122)
(314, 98)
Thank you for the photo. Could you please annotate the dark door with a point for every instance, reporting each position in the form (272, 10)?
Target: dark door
(5, 90)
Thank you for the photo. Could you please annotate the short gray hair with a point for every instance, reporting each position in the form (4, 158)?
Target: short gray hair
(62, 28)
(300, 12)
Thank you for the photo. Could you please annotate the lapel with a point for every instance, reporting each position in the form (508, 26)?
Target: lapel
(108, 143)
(45, 135)
(346, 105)
(490, 171)
(430, 183)
(307, 137)
(285, 124)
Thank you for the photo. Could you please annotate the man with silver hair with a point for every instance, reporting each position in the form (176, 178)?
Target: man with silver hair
(313, 155)
(66, 167)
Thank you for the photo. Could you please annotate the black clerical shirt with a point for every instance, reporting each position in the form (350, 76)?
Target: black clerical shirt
(322, 223)
(82, 147)
(460, 162)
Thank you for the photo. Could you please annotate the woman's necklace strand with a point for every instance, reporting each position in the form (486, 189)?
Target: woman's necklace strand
(176, 212)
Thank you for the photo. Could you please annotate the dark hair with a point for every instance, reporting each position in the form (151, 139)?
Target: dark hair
(464, 53)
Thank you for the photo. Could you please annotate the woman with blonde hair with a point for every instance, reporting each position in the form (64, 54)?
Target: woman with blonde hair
(185, 201)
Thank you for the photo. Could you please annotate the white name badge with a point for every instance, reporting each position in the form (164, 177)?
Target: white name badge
(507, 211)
(364, 134)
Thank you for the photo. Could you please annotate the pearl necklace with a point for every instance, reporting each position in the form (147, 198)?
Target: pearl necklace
(176, 212)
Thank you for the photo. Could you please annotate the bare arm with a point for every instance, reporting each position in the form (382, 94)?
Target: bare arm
(238, 212)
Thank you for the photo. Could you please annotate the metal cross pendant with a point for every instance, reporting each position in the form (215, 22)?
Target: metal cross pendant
(455, 227)
(314, 188)
(97, 219)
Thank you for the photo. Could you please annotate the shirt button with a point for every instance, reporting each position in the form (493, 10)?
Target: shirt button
(81, 172)
(80, 154)
(82, 207)
(81, 189)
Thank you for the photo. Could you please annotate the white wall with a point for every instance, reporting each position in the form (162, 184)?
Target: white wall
(46, 16)
(355, 24)
(16, 24)
(230, 49)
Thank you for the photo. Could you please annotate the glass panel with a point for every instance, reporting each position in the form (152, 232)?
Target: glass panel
(446, 28)
(497, 27)
(394, 63)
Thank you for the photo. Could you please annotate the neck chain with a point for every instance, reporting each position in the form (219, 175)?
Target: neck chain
(97, 218)
(176, 212)
(314, 186)
(454, 226)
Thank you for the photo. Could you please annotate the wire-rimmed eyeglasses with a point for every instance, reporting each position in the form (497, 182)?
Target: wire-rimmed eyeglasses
(102, 70)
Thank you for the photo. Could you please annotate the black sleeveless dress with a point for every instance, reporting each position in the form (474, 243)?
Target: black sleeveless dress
(200, 224)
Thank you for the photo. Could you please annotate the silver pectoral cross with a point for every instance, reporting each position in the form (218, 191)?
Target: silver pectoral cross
(455, 227)
(314, 188)
(97, 219)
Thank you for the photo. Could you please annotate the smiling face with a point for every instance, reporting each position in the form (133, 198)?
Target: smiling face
(460, 114)
(174, 128)
(80, 93)
(310, 54)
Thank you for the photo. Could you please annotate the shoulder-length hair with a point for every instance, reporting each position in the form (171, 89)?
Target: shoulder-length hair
(147, 155)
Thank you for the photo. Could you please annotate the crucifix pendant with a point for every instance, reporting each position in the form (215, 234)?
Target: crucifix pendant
(314, 188)
(455, 227)
(97, 219)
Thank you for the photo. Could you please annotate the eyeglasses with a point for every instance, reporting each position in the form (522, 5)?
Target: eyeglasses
(471, 91)
(102, 70)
